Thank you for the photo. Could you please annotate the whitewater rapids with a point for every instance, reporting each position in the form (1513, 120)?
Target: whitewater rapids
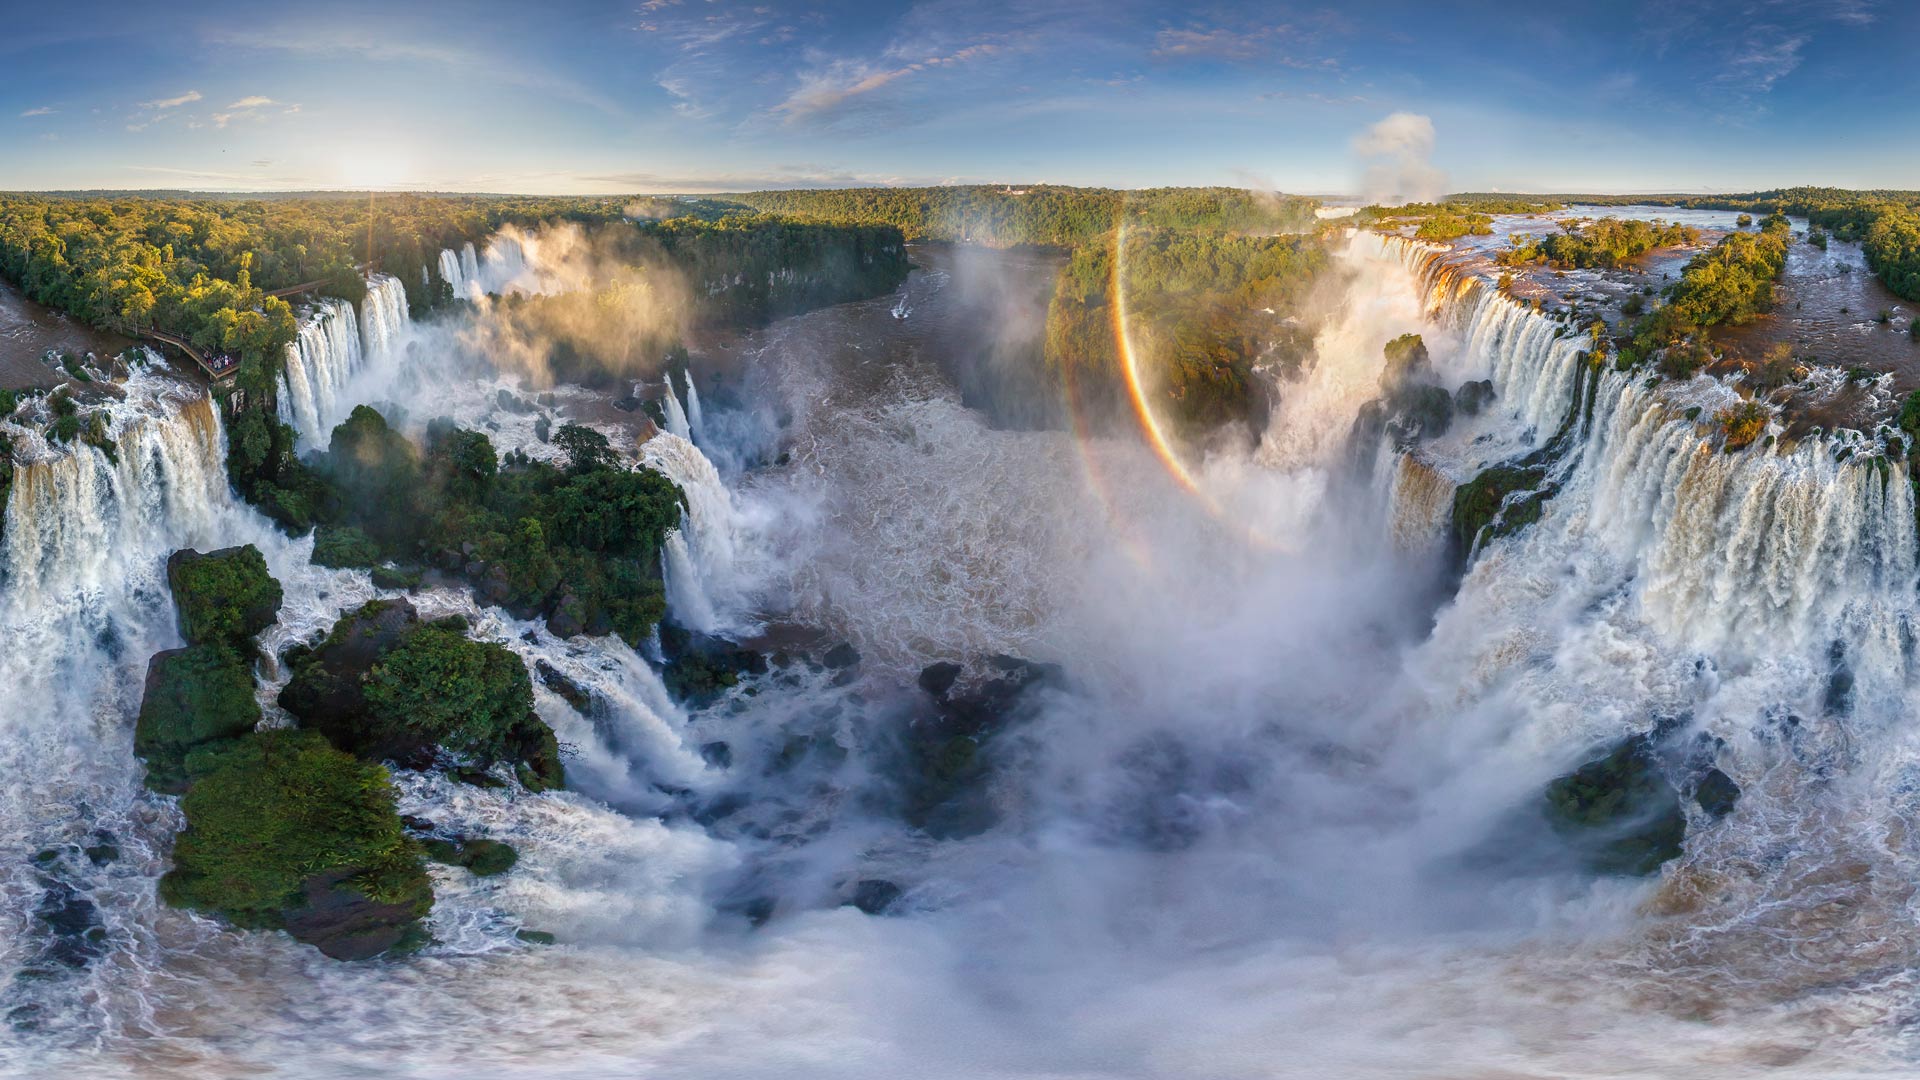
(1242, 845)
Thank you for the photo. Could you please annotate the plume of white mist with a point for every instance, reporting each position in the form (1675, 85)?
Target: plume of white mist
(1395, 156)
(565, 301)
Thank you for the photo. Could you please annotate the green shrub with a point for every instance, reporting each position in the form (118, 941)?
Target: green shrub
(463, 694)
(343, 547)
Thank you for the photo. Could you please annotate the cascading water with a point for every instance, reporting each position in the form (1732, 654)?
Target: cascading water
(1255, 827)
(676, 416)
(383, 317)
(461, 271)
(704, 575)
(696, 417)
(319, 362)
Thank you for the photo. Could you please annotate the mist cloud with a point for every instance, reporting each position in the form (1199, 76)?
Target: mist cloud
(1395, 155)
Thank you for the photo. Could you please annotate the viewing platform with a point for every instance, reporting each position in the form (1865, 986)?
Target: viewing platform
(218, 366)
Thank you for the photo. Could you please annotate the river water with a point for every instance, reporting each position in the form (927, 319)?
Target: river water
(1248, 837)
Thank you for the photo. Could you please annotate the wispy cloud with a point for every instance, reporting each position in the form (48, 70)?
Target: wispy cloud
(1285, 44)
(44, 110)
(252, 107)
(216, 179)
(840, 83)
(1766, 55)
(187, 98)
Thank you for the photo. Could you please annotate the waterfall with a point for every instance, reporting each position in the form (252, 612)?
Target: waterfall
(461, 271)
(1420, 503)
(453, 273)
(696, 419)
(383, 316)
(676, 416)
(319, 362)
(77, 519)
(703, 575)
(1766, 549)
(1534, 361)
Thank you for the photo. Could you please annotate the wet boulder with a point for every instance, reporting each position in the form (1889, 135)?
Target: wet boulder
(485, 858)
(947, 753)
(1620, 812)
(327, 691)
(197, 697)
(1407, 364)
(223, 597)
(561, 683)
(385, 686)
(1500, 501)
(873, 896)
(1716, 793)
(701, 667)
(1472, 397)
(76, 936)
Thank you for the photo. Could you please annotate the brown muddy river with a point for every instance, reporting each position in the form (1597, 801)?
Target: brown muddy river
(28, 330)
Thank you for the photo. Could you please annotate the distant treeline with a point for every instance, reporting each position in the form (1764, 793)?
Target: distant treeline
(1885, 222)
(199, 268)
(1038, 216)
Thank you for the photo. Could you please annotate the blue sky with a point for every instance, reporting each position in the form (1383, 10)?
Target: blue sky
(704, 95)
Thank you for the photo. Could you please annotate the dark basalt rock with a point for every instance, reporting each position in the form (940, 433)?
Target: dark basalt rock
(77, 936)
(1472, 397)
(843, 655)
(345, 925)
(700, 667)
(535, 937)
(485, 858)
(1500, 501)
(874, 896)
(1716, 793)
(1620, 811)
(557, 681)
(385, 648)
(937, 679)
(717, 754)
(326, 691)
(947, 760)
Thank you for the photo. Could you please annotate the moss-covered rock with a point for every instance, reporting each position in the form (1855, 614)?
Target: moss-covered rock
(485, 858)
(283, 831)
(1620, 811)
(224, 597)
(1499, 502)
(385, 686)
(195, 697)
(343, 547)
(700, 668)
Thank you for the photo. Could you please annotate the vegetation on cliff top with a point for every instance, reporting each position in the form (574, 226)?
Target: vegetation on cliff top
(1044, 215)
(1205, 309)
